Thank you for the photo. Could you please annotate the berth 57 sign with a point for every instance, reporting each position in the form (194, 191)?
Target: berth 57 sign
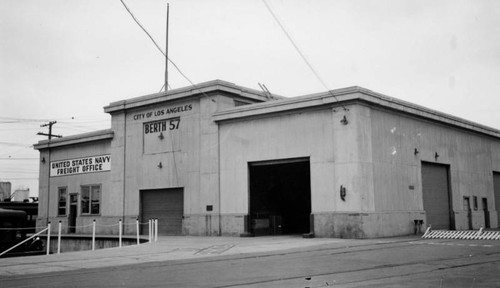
(161, 125)
(90, 164)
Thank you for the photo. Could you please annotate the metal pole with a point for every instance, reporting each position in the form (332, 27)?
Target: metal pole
(59, 238)
(120, 233)
(156, 230)
(48, 238)
(137, 229)
(93, 235)
(150, 229)
(166, 54)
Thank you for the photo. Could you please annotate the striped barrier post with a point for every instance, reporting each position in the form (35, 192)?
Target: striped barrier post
(427, 231)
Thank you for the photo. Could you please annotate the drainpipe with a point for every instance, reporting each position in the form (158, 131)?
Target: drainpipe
(218, 182)
(124, 160)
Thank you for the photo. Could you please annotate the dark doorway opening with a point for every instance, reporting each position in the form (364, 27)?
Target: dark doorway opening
(280, 197)
(73, 210)
(468, 210)
(486, 213)
(496, 190)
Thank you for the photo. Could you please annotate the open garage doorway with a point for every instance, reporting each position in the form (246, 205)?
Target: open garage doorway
(280, 197)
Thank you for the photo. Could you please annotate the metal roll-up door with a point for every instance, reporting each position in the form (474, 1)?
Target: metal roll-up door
(166, 205)
(436, 199)
(496, 190)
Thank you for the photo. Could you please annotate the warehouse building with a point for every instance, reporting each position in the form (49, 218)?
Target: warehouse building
(221, 159)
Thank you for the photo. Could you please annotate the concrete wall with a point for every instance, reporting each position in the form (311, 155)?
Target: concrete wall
(367, 149)
(142, 169)
(397, 170)
(72, 243)
(372, 155)
(340, 154)
(188, 154)
(48, 190)
(284, 136)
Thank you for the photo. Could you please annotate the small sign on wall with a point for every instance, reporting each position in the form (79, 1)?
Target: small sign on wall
(83, 165)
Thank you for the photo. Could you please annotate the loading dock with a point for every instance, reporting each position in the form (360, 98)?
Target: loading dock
(496, 191)
(166, 205)
(280, 197)
(436, 195)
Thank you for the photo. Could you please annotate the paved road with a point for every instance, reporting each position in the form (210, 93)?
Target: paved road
(410, 262)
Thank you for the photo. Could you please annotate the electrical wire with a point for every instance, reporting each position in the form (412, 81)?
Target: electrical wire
(19, 172)
(18, 178)
(162, 87)
(2, 119)
(143, 29)
(15, 144)
(316, 74)
(161, 51)
(20, 158)
(13, 170)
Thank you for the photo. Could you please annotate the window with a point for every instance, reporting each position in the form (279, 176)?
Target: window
(61, 204)
(91, 199)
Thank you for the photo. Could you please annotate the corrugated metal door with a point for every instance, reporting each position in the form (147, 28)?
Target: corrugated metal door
(496, 189)
(166, 205)
(435, 190)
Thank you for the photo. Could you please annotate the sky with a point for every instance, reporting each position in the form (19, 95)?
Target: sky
(64, 60)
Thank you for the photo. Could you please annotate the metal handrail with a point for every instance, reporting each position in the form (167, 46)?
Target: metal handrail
(153, 234)
(22, 242)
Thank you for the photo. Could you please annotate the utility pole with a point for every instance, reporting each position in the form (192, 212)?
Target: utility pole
(50, 135)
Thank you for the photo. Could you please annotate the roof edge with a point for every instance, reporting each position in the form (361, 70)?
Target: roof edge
(75, 139)
(342, 96)
(199, 90)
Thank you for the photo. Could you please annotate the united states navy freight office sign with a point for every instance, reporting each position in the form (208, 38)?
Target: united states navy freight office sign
(90, 164)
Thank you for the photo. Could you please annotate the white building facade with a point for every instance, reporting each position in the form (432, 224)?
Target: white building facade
(221, 159)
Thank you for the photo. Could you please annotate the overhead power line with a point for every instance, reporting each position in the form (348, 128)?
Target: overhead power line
(27, 178)
(161, 51)
(142, 27)
(316, 74)
(15, 144)
(154, 42)
(15, 120)
(10, 158)
(19, 172)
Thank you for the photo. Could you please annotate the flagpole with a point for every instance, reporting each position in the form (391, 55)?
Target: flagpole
(166, 54)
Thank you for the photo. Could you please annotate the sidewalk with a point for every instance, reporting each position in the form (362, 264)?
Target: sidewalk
(168, 248)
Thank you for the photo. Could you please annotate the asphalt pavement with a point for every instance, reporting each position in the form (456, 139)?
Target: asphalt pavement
(281, 261)
(165, 249)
